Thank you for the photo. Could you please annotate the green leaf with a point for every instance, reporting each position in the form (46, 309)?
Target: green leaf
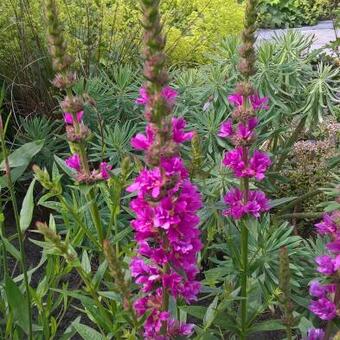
(17, 303)
(280, 201)
(88, 333)
(268, 325)
(26, 212)
(10, 248)
(196, 311)
(85, 262)
(22, 156)
(211, 313)
(15, 173)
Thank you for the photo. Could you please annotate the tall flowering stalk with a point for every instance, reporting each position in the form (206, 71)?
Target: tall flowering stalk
(166, 223)
(245, 162)
(77, 132)
(326, 295)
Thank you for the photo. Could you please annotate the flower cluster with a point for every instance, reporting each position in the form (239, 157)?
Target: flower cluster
(76, 128)
(168, 93)
(166, 220)
(144, 142)
(166, 233)
(238, 205)
(324, 305)
(241, 161)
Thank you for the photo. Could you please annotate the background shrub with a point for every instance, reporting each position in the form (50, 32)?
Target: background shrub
(293, 13)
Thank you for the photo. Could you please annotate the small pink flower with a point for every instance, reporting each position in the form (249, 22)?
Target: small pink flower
(323, 308)
(256, 101)
(318, 290)
(73, 162)
(237, 207)
(104, 171)
(143, 97)
(168, 93)
(143, 142)
(68, 117)
(236, 99)
(258, 163)
(259, 103)
(226, 130)
(325, 265)
(178, 134)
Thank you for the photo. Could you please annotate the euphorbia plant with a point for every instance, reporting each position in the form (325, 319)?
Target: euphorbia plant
(167, 203)
(246, 162)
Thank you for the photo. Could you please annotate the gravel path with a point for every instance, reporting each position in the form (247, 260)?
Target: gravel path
(323, 33)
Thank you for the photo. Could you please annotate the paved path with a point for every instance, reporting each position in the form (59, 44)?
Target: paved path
(323, 33)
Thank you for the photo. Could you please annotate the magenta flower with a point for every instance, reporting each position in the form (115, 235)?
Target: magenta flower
(318, 290)
(237, 207)
(236, 99)
(256, 101)
(143, 142)
(73, 162)
(105, 171)
(258, 164)
(315, 334)
(326, 226)
(259, 103)
(168, 93)
(245, 132)
(226, 130)
(166, 231)
(323, 308)
(68, 117)
(143, 97)
(334, 246)
(178, 134)
(325, 265)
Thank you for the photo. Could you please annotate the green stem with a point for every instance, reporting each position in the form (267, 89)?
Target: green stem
(17, 223)
(165, 304)
(2, 228)
(93, 293)
(244, 278)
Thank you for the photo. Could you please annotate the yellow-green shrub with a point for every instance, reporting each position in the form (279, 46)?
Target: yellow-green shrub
(193, 27)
